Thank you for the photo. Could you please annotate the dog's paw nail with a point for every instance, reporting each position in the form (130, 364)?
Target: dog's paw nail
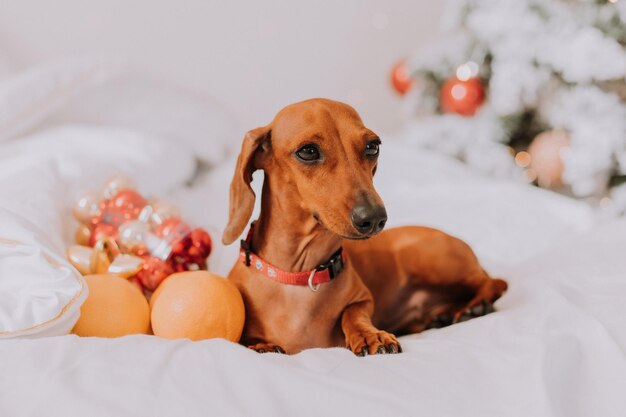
(464, 317)
(363, 352)
(392, 349)
(261, 350)
(381, 350)
(444, 320)
(489, 307)
(478, 310)
(435, 324)
(278, 349)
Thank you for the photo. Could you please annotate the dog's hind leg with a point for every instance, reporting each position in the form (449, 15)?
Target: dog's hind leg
(482, 303)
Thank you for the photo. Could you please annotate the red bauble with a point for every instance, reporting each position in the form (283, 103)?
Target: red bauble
(461, 97)
(102, 230)
(191, 251)
(122, 207)
(400, 78)
(153, 272)
(173, 229)
(201, 241)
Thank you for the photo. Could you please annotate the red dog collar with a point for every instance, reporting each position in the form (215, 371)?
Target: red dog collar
(320, 275)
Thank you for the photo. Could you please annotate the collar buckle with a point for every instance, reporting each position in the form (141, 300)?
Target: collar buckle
(334, 265)
(245, 246)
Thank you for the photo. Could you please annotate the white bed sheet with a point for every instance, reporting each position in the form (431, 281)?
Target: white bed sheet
(556, 346)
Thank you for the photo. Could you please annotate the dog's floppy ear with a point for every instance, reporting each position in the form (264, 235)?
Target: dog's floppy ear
(241, 194)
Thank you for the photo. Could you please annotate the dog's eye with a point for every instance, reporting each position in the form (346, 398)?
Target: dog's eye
(308, 153)
(372, 149)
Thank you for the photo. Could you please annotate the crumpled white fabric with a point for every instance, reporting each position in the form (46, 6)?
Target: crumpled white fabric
(40, 292)
(555, 347)
(102, 92)
(65, 129)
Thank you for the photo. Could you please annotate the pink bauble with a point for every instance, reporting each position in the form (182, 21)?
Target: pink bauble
(546, 157)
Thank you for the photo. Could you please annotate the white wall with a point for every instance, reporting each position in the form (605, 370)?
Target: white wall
(256, 56)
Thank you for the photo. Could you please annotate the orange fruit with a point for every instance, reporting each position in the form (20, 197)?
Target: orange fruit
(197, 305)
(114, 308)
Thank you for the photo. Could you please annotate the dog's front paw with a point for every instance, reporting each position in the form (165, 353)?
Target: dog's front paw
(372, 342)
(266, 347)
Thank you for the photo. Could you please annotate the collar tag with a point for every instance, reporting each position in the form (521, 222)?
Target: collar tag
(313, 287)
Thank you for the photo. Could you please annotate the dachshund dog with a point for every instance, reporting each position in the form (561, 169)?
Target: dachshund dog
(316, 269)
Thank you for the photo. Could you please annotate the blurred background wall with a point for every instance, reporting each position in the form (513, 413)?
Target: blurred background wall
(253, 56)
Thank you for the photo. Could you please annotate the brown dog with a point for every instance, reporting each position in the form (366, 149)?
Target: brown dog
(319, 161)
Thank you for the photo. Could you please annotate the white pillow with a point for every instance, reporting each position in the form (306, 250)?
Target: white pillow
(40, 292)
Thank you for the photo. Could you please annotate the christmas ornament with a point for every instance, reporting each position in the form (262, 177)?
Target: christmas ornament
(467, 70)
(150, 239)
(114, 308)
(104, 257)
(101, 231)
(163, 210)
(400, 78)
(133, 234)
(172, 228)
(463, 97)
(116, 184)
(82, 235)
(87, 208)
(126, 266)
(122, 207)
(197, 305)
(80, 257)
(193, 249)
(547, 152)
(153, 272)
(572, 77)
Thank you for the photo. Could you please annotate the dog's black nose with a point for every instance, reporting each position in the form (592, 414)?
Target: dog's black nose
(369, 219)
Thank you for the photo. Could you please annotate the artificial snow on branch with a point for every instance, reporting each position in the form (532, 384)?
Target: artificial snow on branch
(506, 71)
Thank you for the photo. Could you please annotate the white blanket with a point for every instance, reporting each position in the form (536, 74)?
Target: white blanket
(555, 347)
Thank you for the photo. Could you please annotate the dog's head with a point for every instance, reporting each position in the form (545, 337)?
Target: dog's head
(320, 152)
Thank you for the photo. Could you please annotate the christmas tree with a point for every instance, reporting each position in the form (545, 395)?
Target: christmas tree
(528, 89)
